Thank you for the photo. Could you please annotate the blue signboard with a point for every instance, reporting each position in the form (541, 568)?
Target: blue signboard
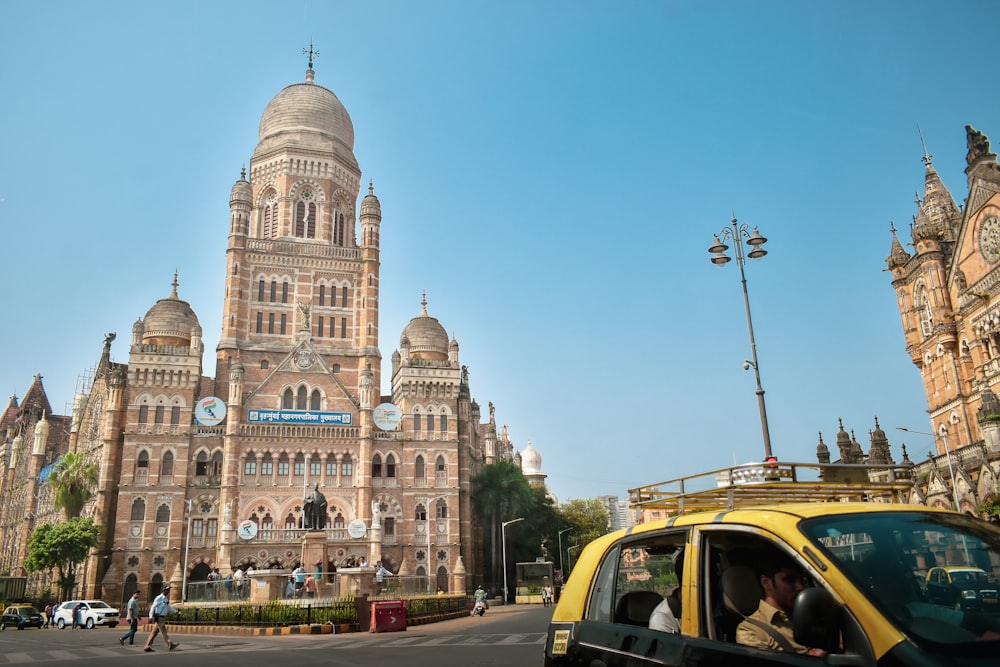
(299, 417)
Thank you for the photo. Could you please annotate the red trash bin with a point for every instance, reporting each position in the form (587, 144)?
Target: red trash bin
(388, 616)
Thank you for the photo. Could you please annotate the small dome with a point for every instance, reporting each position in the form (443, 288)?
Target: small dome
(170, 321)
(425, 337)
(531, 460)
(306, 114)
(242, 190)
(370, 205)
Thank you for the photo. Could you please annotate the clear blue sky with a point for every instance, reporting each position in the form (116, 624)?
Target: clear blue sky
(551, 173)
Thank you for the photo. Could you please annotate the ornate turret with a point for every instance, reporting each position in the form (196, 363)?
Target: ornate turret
(822, 451)
(879, 452)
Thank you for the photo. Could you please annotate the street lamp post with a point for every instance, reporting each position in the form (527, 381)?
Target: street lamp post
(187, 549)
(561, 570)
(503, 543)
(569, 552)
(947, 452)
(719, 257)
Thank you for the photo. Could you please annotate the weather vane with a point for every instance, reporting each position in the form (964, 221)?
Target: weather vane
(311, 53)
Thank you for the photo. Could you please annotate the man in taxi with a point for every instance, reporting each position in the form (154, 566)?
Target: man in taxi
(771, 625)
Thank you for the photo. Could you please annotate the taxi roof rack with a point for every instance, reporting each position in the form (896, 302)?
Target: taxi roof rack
(774, 482)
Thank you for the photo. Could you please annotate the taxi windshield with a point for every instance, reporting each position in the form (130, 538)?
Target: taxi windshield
(933, 574)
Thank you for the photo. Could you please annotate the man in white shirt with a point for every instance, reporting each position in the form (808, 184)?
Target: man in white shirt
(666, 617)
(158, 615)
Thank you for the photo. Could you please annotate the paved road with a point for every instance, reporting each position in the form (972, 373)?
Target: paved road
(505, 636)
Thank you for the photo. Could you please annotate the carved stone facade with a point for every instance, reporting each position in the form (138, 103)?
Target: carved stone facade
(292, 405)
(948, 292)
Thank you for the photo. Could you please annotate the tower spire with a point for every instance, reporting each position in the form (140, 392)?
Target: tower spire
(311, 52)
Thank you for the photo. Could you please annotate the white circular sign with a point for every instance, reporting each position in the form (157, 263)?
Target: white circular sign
(357, 529)
(247, 529)
(210, 411)
(387, 416)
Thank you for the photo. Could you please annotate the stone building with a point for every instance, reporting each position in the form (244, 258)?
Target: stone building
(201, 472)
(948, 292)
(31, 440)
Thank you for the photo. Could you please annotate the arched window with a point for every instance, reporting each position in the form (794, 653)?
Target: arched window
(266, 465)
(440, 465)
(376, 466)
(300, 399)
(142, 463)
(283, 465)
(138, 510)
(305, 216)
(300, 465)
(346, 468)
(143, 414)
(441, 509)
(338, 229)
(390, 466)
(266, 526)
(418, 469)
(216, 464)
(922, 304)
(338, 521)
(290, 522)
(163, 513)
(201, 464)
(314, 400)
(250, 465)
(315, 466)
(167, 465)
(420, 513)
(287, 400)
(269, 216)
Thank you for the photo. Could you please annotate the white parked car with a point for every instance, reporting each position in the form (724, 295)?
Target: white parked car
(92, 613)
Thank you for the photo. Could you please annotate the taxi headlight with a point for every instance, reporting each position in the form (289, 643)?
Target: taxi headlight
(969, 595)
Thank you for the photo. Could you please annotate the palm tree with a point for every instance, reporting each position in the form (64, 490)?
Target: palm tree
(500, 493)
(72, 479)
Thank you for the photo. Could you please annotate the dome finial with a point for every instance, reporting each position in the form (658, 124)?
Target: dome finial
(173, 292)
(423, 304)
(312, 53)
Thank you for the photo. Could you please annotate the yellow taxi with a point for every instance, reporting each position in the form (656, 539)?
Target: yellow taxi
(863, 556)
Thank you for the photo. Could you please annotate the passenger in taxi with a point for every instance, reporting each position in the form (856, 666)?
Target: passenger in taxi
(666, 617)
(770, 626)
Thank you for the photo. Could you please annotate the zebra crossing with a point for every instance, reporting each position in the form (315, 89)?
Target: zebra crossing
(207, 645)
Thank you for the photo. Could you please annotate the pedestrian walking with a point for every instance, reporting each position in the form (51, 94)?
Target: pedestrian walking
(310, 586)
(76, 615)
(132, 618)
(158, 615)
(48, 616)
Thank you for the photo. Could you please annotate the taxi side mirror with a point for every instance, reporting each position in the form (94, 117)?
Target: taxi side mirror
(816, 619)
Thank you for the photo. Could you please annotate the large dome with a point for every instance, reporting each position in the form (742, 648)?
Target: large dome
(306, 114)
(170, 321)
(425, 337)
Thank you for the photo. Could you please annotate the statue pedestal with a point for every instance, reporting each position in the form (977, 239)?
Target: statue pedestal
(314, 550)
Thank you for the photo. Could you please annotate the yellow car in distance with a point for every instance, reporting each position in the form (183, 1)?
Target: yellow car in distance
(862, 556)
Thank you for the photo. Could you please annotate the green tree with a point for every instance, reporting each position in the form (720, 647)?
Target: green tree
(499, 493)
(72, 480)
(589, 519)
(62, 546)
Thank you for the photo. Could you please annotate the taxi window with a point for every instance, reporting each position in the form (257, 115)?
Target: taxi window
(635, 577)
(907, 564)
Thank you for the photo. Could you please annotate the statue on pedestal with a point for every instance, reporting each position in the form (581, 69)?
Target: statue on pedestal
(314, 510)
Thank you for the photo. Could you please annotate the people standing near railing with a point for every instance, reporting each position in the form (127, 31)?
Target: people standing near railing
(238, 583)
